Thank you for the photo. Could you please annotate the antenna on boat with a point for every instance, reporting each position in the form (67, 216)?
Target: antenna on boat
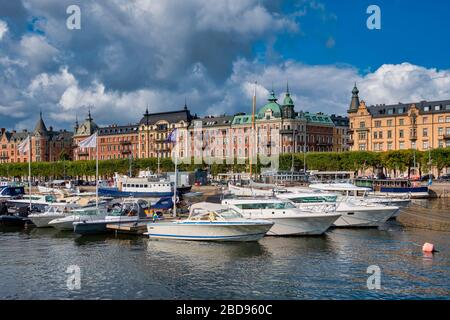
(252, 145)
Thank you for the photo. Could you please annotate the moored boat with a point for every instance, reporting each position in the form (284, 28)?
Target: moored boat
(131, 210)
(288, 219)
(210, 222)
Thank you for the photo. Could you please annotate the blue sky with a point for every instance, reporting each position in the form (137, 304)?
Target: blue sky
(130, 54)
(413, 31)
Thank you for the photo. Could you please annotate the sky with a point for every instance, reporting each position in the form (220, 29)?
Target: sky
(129, 55)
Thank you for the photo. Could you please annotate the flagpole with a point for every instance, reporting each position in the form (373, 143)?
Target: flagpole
(29, 167)
(252, 146)
(175, 183)
(96, 173)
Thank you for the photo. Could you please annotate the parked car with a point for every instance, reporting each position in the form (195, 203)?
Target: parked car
(444, 177)
(427, 177)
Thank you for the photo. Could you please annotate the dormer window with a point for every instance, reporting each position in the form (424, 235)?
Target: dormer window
(426, 108)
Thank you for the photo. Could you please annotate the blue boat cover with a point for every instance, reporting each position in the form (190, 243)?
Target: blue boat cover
(163, 203)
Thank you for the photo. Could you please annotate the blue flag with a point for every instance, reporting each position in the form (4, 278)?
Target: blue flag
(172, 137)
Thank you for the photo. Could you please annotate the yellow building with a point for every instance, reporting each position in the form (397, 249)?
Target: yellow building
(421, 126)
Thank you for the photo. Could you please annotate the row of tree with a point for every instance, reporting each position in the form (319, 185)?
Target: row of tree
(393, 161)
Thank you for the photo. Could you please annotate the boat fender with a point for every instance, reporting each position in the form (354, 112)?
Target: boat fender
(429, 248)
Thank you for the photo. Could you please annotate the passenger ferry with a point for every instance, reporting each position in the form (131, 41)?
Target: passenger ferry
(140, 187)
(395, 187)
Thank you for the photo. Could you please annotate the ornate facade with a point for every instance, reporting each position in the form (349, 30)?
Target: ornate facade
(46, 144)
(421, 126)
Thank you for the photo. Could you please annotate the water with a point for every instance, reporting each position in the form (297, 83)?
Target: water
(33, 265)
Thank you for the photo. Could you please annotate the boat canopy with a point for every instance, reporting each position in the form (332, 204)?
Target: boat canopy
(338, 187)
(212, 211)
(164, 203)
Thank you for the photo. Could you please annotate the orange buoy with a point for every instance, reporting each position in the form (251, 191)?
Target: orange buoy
(428, 247)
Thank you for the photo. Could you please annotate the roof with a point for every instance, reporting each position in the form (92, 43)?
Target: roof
(214, 121)
(112, 130)
(320, 118)
(271, 105)
(403, 108)
(40, 126)
(242, 119)
(171, 117)
(340, 121)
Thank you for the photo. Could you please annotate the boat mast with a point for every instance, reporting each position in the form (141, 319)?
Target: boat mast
(96, 173)
(252, 145)
(29, 166)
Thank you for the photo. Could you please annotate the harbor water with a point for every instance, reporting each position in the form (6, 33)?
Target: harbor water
(34, 264)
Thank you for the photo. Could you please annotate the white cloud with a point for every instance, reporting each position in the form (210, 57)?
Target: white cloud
(3, 28)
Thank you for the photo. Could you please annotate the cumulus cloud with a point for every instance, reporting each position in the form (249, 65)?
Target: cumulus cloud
(130, 54)
(3, 28)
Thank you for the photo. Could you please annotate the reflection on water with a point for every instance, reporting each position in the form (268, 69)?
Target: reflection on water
(332, 266)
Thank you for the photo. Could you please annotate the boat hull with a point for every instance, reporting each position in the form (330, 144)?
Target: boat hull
(302, 226)
(116, 193)
(100, 226)
(42, 221)
(13, 221)
(208, 231)
(364, 217)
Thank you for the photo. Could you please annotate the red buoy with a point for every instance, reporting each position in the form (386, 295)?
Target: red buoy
(428, 247)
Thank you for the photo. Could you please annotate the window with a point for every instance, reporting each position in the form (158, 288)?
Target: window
(437, 107)
(425, 145)
(400, 110)
(401, 122)
(447, 119)
(441, 119)
(380, 134)
(401, 134)
(377, 124)
(362, 124)
(401, 145)
(426, 108)
(447, 131)
(362, 147)
(362, 136)
(440, 131)
(425, 132)
(389, 123)
(375, 135)
(390, 111)
(389, 134)
(425, 120)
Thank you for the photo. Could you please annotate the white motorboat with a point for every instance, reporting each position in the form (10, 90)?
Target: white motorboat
(354, 213)
(288, 219)
(78, 215)
(210, 222)
(53, 211)
(361, 193)
(38, 201)
(130, 210)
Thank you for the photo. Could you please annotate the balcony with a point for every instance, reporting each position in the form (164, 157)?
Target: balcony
(126, 151)
(350, 131)
(83, 154)
(351, 142)
(413, 137)
(446, 136)
(125, 142)
(286, 131)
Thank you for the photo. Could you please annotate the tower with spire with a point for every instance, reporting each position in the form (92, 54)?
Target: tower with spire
(354, 104)
(40, 128)
(288, 105)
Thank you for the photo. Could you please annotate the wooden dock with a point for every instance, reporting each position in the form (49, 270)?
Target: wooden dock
(129, 228)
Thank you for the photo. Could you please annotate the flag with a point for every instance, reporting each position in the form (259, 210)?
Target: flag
(172, 137)
(90, 142)
(24, 146)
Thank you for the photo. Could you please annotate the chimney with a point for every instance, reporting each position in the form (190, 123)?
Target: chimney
(3, 130)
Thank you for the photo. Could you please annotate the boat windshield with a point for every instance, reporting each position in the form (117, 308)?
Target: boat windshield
(126, 209)
(214, 215)
(265, 205)
(313, 199)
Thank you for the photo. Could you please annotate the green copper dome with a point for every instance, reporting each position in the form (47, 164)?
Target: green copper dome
(288, 100)
(272, 105)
